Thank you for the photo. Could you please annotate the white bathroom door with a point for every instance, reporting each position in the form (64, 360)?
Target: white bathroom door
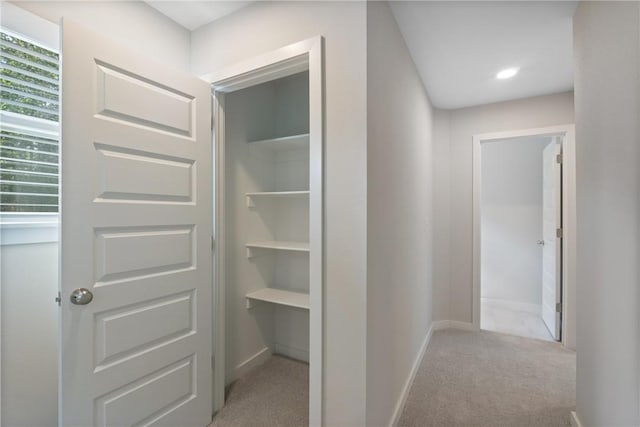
(135, 234)
(552, 238)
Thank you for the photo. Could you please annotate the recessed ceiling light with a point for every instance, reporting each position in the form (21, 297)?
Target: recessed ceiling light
(507, 74)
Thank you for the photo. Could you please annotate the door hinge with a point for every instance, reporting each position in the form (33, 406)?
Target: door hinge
(59, 299)
(559, 158)
(559, 233)
(213, 244)
(558, 307)
(211, 122)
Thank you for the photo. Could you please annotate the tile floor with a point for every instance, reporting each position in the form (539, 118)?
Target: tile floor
(497, 318)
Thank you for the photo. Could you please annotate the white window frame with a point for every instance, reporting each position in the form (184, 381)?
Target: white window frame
(26, 228)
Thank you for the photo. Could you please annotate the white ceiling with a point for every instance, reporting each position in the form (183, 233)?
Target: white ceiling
(458, 47)
(194, 14)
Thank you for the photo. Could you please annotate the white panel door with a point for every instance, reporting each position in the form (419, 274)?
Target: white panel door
(136, 215)
(552, 247)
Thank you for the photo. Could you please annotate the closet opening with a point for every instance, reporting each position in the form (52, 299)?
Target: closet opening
(268, 240)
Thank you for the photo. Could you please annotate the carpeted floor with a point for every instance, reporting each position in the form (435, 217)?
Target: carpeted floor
(491, 379)
(273, 394)
(466, 379)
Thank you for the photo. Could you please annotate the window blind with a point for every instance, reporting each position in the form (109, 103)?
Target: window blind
(29, 104)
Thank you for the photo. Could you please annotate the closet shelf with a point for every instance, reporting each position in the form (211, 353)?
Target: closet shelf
(284, 142)
(279, 296)
(277, 245)
(274, 194)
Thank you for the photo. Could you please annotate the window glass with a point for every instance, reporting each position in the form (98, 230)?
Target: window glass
(29, 141)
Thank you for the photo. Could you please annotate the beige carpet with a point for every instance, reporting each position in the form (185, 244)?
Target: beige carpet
(491, 379)
(466, 379)
(273, 394)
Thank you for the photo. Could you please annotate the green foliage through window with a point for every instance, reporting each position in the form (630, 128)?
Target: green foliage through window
(28, 79)
(28, 173)
(29, 86)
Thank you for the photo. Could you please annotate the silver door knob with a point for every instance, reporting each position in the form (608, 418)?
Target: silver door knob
(81, 296)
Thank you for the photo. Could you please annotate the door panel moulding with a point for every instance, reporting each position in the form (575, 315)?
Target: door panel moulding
(134, 233)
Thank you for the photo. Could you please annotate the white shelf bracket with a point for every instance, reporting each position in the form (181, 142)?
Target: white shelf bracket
(250, 303)
(250, 203)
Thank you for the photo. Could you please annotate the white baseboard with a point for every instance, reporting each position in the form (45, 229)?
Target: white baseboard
(439, 325)
(464, 326)
(256, 360)
(412, 375)
(514, 305)
(452, 324)
(575, 421)
(292, 352)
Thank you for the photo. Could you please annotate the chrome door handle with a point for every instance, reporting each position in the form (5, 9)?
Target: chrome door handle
(81, 296)
(541, 242)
